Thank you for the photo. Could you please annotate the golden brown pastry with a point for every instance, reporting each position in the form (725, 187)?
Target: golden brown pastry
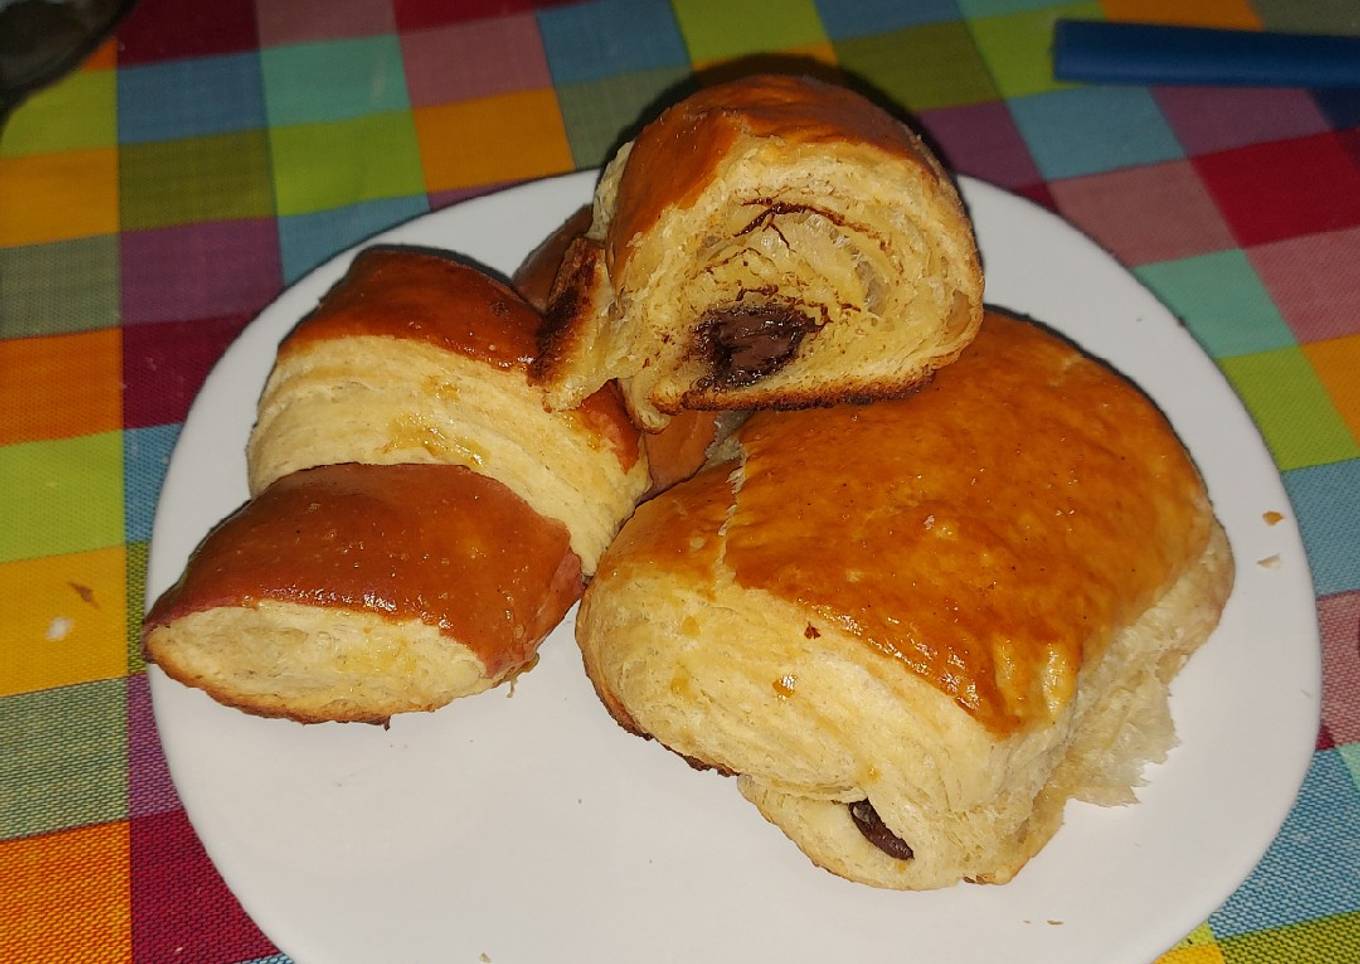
(773, 241)
(415, 357)
(914, 629)
(533, 279)
(677, 451)
(353, 592)
(419, 520)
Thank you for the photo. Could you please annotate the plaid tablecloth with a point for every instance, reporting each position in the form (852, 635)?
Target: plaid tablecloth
(154, 201)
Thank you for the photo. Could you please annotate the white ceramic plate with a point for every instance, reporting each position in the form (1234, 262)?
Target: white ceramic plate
(530, 828)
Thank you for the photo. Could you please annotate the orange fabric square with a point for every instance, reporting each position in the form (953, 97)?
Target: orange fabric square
(1228, 14)
(67, 896)
(55, 197)
(61, 386)
(1337, 363)
(65, 621)
(103, 57)
(504, 138)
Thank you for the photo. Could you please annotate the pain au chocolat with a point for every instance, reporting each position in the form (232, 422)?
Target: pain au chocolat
(419, 521)
(769, 242)
(915, 629)
(675, 452)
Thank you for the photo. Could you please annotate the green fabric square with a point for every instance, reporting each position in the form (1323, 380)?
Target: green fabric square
(136, 604)
(599, 115)
(1019, 47)
(1309, 16)
(1291, 408)
(1221, 299)
(216, 178)
(323, 166)
(723, 29)
(1329, 939)
(334, 80)
(53, 289)
(934, 65)
(63, 758)
(1350, 755)
(64, 495)
(77, 113)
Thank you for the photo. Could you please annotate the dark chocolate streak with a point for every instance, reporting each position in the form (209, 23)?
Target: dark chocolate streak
(774, 209)
(871, 825)
(744, 344)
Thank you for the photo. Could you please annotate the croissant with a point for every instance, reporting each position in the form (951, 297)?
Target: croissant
(914, 629)
(769, 242)
(418, 522)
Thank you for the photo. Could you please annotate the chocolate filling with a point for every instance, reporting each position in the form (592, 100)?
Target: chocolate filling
(743, 344)
(871, 825)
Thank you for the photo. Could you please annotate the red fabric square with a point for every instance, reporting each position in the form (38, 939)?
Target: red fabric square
(1312, 281)
(1350, 140)
(1039, 194)
(1285, 188)
(165, 364)
(470, 60)
(167, 29)
(181, 909)
(415, 14)
(1339, 619)
(1142, 214)
(304, 21)
(1324, 739)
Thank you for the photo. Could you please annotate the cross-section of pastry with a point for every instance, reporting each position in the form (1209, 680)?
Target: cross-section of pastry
(419, 521)
(915, 629)
(675, 452)
(773, 241)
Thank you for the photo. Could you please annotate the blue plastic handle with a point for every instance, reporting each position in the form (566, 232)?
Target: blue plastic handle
(1139, 53)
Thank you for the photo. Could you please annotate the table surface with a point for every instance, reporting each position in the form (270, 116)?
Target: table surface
(153, 201)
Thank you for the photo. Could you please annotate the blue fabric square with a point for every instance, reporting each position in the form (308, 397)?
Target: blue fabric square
(189, 98)
(1088, 130)
(992, 8)
(334, 80)
(146, 455)
(1327, 502)
(844, 19)
(591, 41)
(306, 240)
(1221, 298)
(1313, 867)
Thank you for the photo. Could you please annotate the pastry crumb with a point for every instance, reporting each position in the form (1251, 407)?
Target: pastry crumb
(1272, 517)
(484, 958)
(1269, 562)
(59, 628)
(1054, 923)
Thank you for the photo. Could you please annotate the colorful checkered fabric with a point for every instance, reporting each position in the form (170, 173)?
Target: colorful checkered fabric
(154, 201)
